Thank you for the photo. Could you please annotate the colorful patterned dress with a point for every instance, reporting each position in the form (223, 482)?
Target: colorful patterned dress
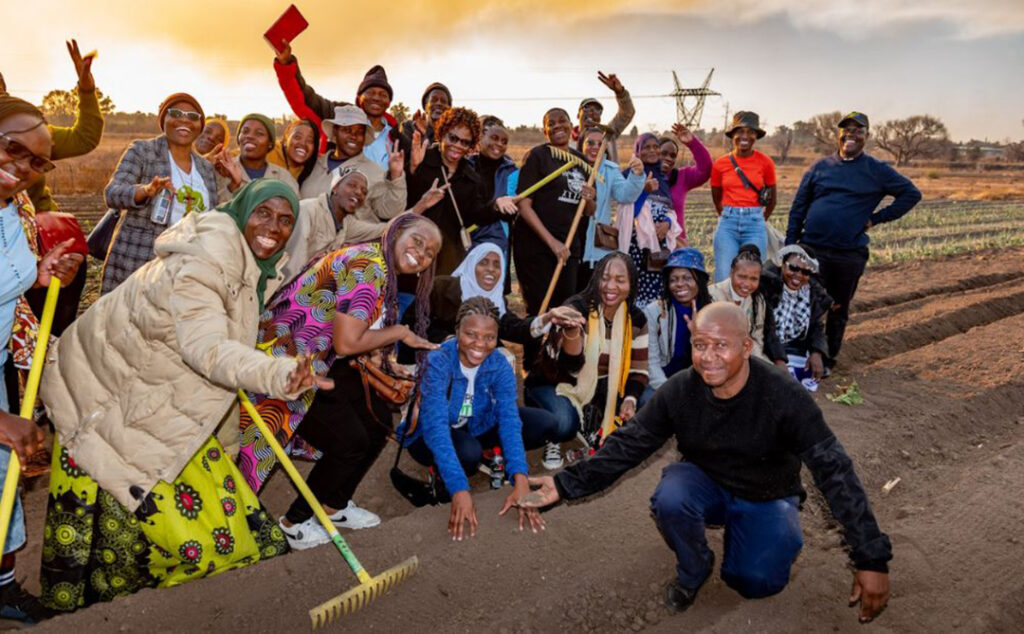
(298, 321)
(205, 522)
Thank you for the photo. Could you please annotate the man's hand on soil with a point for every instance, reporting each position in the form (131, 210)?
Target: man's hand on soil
(871, 590)
(545, 495)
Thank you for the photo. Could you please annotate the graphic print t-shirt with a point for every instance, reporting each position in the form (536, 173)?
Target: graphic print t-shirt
(556, 202)
(466, 411)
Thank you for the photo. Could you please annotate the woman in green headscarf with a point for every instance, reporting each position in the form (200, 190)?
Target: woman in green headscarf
(142, 493)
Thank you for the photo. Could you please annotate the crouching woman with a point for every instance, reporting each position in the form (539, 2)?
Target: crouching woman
(141, 491)
(469, 403)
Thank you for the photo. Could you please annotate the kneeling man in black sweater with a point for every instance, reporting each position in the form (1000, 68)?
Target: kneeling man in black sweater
(743, 428)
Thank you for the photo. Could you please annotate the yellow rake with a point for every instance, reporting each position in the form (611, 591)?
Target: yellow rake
(369, 588)
(28, 403)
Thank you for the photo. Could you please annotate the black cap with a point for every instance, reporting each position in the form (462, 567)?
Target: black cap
(857, 117)
(745, 119)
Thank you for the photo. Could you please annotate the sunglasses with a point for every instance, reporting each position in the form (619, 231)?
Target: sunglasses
(455, 139)
(799, 270)
(19, 152)
(176, 113)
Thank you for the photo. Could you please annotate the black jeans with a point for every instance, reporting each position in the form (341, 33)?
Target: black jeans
(340, 425)
(840, 271)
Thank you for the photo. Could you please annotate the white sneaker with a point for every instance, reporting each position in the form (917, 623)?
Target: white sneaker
(304, 535)
(354, 517)
(552, 456)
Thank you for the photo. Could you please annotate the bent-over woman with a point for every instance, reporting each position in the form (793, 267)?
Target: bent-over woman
(344, 304)
(142, 493)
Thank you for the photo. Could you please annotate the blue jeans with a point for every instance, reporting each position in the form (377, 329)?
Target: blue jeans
(761, 538)
(737, 226)
(567, 420)
(539, 427)
(16, 527)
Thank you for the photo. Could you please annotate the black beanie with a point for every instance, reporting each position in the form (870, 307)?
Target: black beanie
(376, 77)
(431, 88)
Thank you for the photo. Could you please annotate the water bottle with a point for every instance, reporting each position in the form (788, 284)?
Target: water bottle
(497, 469)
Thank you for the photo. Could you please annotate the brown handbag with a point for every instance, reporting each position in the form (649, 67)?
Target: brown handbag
(390, 386)
(656, 260)
(606, 236)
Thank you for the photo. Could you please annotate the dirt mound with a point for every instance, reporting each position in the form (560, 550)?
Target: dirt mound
(940, 365)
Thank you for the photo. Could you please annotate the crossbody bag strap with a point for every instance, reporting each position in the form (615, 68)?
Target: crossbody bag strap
(743, 177)
(451, 194)
(412, 404)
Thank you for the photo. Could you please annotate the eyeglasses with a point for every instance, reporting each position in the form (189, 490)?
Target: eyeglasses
(176, 113)
(455, 139)
(19, 152)
(799, 270)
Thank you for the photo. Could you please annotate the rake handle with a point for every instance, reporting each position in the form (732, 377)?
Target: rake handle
(575, 224)
(28, 404)
(303, 488)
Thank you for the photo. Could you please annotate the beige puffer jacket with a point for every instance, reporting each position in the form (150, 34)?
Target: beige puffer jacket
(140, 381)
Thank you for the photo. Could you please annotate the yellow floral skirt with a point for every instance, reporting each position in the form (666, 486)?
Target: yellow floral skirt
(205, 522)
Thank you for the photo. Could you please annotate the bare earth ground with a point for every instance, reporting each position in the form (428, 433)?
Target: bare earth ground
(937, 348)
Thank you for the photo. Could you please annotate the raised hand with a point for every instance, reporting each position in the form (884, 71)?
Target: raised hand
(419, 122)
(285, 56)
(610, 80)
(636, 165)
(682, 133)
(418, 151)
(83, 66)
(430, 197)
(60, 264)
(396, 160)
(651, 184)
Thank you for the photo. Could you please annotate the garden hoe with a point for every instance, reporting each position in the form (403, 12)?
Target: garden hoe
(369, 587)
(28, 403)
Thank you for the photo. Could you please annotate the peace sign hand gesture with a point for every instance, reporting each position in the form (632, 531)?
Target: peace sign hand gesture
(612, 81)
(396, 160)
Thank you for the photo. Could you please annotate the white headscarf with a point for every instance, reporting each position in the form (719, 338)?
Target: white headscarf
(467, 276)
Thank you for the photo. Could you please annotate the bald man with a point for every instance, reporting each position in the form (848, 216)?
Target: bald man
(743, 428)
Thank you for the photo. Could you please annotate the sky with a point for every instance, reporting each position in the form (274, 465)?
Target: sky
(785, 59)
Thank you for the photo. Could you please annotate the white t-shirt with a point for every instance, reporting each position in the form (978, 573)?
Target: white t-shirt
(466, 411)
(190, 190)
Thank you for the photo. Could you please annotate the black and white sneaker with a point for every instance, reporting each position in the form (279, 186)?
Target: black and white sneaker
(305, 535)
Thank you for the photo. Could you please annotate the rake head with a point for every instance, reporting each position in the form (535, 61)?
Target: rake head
(569, 157)
(362, 594)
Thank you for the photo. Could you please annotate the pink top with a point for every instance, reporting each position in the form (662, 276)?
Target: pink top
(689, 178)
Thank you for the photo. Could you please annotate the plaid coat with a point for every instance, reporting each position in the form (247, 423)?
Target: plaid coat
(132, 244)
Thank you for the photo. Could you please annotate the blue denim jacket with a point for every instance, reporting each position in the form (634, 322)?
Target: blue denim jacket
(443, 389)
(621, 189)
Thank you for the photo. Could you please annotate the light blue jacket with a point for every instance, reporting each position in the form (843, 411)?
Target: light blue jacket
(615, 187)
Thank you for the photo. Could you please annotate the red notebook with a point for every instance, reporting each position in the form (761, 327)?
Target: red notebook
(287, 28)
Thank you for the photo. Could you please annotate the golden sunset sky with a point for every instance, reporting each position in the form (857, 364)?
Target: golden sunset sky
(787, 60)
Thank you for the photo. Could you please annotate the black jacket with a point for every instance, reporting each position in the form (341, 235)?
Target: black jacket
(821, 303)
(751, 445)
(468, 189)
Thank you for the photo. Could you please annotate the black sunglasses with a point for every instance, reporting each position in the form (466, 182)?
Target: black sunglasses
(802, 271)
(19, 152)
(455, 139)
